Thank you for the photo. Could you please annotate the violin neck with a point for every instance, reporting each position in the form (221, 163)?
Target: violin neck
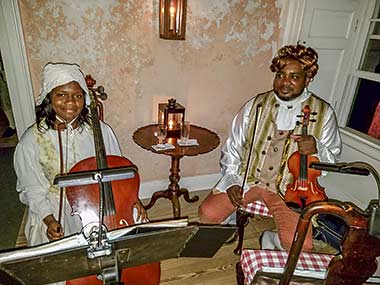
(303, 159)
(303, 167)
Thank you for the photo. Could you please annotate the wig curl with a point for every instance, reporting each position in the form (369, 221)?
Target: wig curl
(306, 56)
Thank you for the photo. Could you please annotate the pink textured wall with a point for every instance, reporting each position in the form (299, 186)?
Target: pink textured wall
(221, 64)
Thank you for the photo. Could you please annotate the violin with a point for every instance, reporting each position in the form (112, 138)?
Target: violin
(116, 201)
(305, 188)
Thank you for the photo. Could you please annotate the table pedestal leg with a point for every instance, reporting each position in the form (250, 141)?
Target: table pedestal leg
(173, 192)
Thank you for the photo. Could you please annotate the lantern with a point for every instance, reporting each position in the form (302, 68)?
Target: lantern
(171, 114)
(172, 19)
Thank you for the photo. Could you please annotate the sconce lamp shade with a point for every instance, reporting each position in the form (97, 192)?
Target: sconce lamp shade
(172, 115)
(172, 19)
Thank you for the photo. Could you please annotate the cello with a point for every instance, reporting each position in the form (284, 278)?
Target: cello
(116, 202)
(305, 188)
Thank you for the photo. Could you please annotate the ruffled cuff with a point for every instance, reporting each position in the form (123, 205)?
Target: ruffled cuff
(228, 180)
(38, 205)
(324, 155)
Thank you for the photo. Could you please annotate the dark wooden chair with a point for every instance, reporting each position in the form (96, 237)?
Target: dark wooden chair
(242, 220)
(354, 264)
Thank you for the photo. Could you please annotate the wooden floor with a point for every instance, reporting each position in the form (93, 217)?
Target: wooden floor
(11, 208)
(211, 271)
(7, 142)
(219, 269)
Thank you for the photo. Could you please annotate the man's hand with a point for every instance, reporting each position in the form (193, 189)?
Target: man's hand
(54, 229)
(141, 212)
(306, 144)
(235, 195)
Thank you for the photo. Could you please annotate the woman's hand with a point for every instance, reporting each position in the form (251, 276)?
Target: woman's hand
(54, 229)
(141, 212)
(235, 196)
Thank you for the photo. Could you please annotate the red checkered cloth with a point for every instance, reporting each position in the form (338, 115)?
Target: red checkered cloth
(311, 264)
(258, 208)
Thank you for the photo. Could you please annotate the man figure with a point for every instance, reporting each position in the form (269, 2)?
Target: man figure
(269, 122)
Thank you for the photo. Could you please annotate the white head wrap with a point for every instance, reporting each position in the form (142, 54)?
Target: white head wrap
(57, 74)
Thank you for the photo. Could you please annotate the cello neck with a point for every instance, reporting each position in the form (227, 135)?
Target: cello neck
(101, 156)
(100, 150)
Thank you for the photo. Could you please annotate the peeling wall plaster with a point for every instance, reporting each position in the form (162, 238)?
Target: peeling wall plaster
(221, 64)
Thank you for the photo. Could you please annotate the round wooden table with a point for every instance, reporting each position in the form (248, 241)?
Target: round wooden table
(207, 141)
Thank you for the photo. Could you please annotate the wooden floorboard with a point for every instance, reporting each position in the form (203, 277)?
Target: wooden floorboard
(219, 269)
(12, 209)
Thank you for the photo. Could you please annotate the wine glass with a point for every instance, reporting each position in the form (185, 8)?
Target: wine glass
(162, 131)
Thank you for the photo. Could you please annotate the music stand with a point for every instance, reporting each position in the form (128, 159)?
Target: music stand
(136, 245)
(91, 176)
(104, 253)
(102, 177)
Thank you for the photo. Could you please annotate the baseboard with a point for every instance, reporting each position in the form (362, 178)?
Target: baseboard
(333, 189)
(203, 182)
(192, 183)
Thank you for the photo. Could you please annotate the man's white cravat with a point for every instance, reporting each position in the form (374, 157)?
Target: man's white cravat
(289, 110)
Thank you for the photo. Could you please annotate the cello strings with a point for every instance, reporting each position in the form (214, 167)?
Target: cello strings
(65, 160)
(61, 172)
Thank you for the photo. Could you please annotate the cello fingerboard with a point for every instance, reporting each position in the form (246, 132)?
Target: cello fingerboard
(101, 157)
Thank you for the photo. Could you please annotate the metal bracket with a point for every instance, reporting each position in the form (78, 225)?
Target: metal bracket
(96, 248)
(374, 219)
(112, 274)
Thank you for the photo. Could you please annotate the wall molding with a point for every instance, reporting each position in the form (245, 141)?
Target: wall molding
(205, 182)
(16, 65)
(290, 20)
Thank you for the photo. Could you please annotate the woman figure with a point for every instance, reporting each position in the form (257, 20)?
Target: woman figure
(64, 98)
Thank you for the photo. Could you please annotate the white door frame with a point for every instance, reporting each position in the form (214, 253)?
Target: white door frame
(291, 19)
(16, 67)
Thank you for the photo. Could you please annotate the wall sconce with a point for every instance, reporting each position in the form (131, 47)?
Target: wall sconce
(172, 19)
(171, 114)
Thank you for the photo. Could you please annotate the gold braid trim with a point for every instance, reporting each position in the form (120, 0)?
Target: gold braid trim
(283, 164)
(48, 158)
(263, 129)
(251, 130)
